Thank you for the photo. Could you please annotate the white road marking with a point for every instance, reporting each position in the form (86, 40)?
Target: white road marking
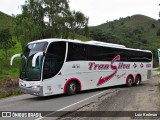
(71, 105)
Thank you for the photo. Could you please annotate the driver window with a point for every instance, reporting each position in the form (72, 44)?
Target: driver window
(54, 59)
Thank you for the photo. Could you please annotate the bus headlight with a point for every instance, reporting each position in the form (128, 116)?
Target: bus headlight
(36, 86)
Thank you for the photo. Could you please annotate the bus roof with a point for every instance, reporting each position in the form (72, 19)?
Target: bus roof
(92, 42)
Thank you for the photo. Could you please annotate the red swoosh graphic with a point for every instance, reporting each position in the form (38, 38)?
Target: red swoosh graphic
(113, 67)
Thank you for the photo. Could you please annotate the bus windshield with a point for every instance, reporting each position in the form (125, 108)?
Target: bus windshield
(27, 72)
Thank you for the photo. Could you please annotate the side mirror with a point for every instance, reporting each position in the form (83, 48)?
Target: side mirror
(14, 56)
(35, 58)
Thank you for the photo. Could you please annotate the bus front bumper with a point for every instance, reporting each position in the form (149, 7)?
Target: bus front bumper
(32, 91)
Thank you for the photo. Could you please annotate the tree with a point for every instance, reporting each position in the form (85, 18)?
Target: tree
(76, 20)
(6, 41)
(56, 11)
(62, 22)
(97, 34)
(26, 30)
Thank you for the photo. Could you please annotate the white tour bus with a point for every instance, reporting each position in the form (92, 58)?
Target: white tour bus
(56, 66)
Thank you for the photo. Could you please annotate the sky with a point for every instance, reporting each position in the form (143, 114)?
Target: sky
(98, 11)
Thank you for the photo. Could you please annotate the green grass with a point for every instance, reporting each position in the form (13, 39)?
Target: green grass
(8, 71)
(5, 69)
(9, 74)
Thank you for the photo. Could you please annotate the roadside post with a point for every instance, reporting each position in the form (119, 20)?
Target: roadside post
(159, 56)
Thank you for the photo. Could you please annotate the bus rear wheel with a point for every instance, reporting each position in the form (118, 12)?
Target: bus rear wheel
(129, 81)
(72, 88)
(137, 80)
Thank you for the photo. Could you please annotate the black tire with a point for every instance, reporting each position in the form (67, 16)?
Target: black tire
(72, 88)
(129, 81)
(137, 80)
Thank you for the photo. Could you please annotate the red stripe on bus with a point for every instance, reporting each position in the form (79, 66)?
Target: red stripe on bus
(113, 67)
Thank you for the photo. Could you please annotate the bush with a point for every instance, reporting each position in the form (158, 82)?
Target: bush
(158, 32)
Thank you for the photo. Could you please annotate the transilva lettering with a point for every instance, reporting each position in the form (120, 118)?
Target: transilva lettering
(94, 66)
(123, 66)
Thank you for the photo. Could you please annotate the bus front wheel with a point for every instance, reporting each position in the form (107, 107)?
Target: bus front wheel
(72, 88)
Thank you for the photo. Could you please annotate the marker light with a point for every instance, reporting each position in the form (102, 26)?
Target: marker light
(36, 86)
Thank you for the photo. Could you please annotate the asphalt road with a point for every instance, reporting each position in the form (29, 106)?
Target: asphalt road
(53, 103)
(123, 104)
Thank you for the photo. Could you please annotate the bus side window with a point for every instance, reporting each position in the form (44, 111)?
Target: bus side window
(54, 59)
(76, 52)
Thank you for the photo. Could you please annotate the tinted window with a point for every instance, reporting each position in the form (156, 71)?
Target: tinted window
(77, 52)
(134, 56)
(54, 59)
(98, 53)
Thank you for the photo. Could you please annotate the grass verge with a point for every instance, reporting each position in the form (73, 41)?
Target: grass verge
(11, 92)
(9, 87)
